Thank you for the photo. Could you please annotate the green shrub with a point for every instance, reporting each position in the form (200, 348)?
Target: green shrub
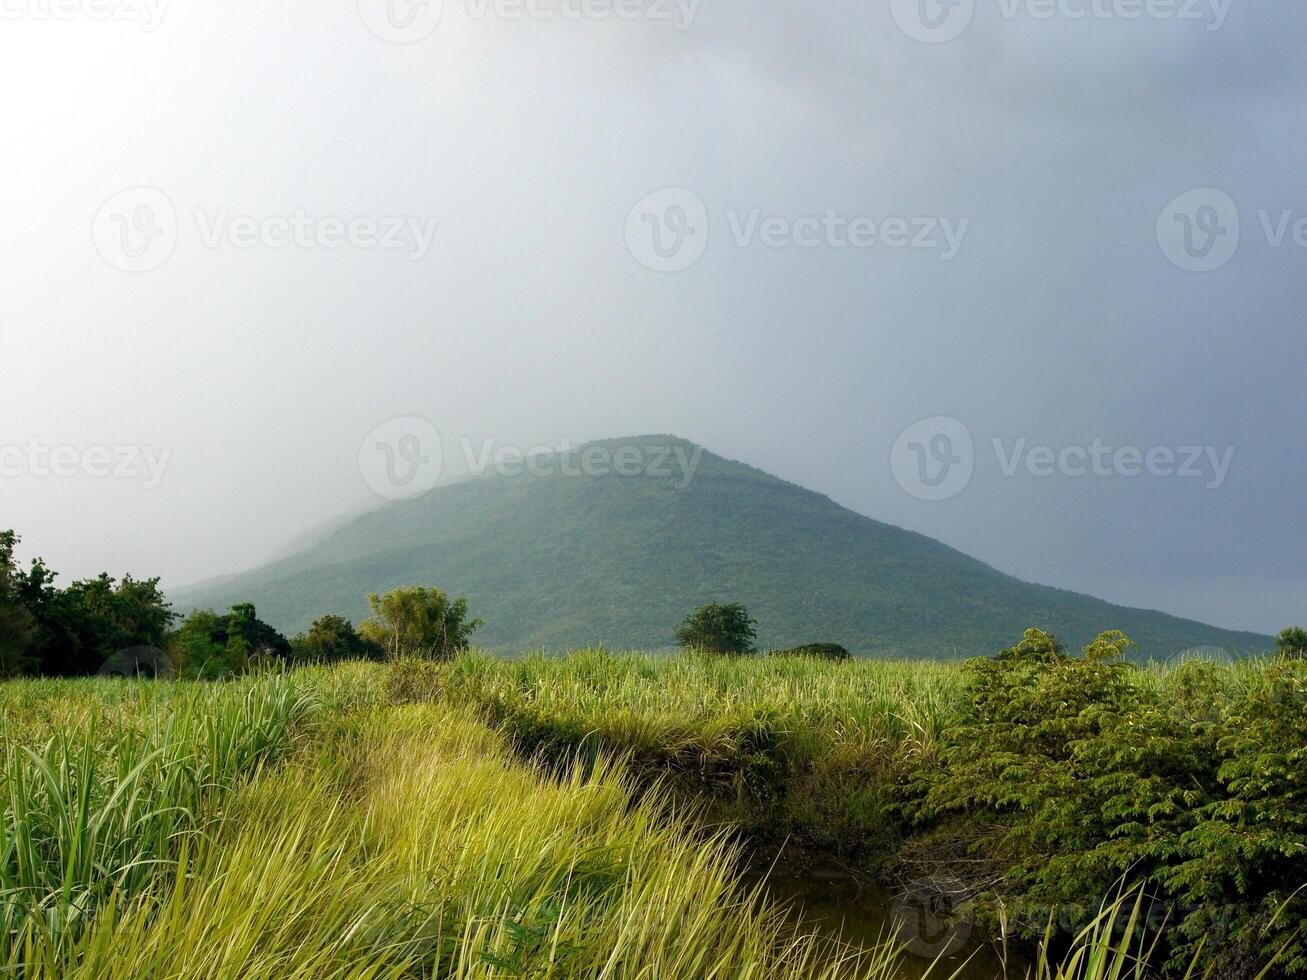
(209, 645)
(821, 651)
(1067, 775)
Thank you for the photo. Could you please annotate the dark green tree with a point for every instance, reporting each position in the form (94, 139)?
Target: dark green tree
(198, 646)
(419, 622)
(331, 639)
(725, 630)
(211, 645)
(1292, 643)
(81, 626)
(262, 640)
(17, 627)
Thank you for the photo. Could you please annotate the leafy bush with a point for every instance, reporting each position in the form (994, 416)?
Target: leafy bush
(1251, 842)
(822, 651)
(1066, 775)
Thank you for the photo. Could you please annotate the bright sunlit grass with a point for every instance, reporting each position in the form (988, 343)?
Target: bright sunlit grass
(311, 826)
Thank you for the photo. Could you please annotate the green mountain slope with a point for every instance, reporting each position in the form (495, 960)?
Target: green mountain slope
(568, 561)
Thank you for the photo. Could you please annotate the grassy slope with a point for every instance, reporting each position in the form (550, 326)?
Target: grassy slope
(575, 562)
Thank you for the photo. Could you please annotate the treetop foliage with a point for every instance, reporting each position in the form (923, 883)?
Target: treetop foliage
(419, 623)
(72, 631)
(725, 630)
(1292, 643)
(332, 639)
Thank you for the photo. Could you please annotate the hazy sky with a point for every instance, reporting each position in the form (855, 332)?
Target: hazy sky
(1047, 285)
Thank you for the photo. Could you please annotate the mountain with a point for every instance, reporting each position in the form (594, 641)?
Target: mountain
(564, 560)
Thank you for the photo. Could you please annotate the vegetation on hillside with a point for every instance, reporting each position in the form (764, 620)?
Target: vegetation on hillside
(570, 562)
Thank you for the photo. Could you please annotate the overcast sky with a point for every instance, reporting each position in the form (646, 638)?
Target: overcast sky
(197, 271)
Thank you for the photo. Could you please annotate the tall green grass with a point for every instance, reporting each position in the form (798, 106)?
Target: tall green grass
(648, 701)
(865, 717)
(788, 749)
(1118, 945)
(146, 833)
(645, 704)
(412, 843)
(98, 807)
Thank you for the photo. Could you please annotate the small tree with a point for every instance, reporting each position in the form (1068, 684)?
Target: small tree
(331, 639)
(725, 630)
(419, 622)
(209, 645)
(1292, 643)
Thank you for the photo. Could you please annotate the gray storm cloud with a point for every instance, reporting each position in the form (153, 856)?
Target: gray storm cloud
(515, 146)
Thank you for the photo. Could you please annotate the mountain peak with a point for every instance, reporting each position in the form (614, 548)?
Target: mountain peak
(584, 558)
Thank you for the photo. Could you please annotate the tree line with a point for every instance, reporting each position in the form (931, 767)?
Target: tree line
(82, 628)
(52, 631)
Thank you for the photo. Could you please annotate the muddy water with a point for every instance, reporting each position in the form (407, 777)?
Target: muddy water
(832, 903)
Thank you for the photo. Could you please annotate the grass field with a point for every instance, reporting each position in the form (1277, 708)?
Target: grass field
(587, 817)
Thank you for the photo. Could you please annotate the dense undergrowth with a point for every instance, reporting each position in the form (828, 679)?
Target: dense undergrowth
(589, 817)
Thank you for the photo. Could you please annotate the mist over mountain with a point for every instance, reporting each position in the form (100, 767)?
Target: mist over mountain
(564, 557)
